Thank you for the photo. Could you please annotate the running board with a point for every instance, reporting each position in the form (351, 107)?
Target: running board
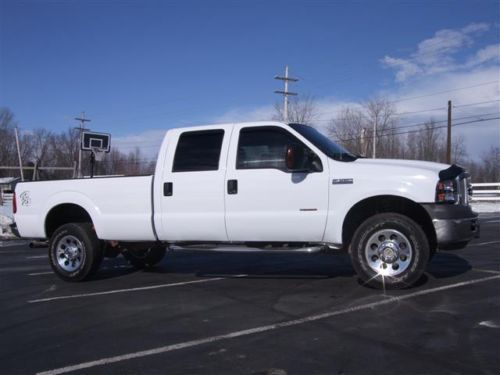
(250, 249)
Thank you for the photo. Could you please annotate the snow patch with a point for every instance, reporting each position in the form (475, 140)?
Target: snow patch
(6, 219)
(484, 207)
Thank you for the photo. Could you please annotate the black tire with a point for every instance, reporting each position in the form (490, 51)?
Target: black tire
(389, 251)
(146, 257)
(75, 252)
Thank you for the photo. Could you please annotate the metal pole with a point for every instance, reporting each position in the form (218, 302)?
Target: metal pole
(374, 151)
(82, 120)
(285, 93)
(19, 154)
(285, 96)
(79, 173)
(448, 141)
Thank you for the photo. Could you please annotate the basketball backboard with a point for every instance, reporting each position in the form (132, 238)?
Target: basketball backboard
(96, 140)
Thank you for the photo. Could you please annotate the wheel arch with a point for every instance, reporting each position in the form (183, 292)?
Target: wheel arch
(65, 213)
(382, 204)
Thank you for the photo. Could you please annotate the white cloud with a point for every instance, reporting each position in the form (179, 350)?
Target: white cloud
(476, 27)
(148, 142)
(488, 54)
(439, 54)
(405, 68)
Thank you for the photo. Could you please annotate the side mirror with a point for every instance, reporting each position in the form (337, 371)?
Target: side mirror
(290, 157)
(293, 158)
(301, 160)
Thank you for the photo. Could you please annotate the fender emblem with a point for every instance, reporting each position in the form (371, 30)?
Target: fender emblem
(340, 181)
(25, 198)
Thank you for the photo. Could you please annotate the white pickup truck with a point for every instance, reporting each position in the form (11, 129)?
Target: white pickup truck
(260, 185)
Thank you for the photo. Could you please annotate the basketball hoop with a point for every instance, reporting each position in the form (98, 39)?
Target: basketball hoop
(98, 153)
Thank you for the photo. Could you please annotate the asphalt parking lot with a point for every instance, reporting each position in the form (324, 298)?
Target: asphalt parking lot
(266, 314)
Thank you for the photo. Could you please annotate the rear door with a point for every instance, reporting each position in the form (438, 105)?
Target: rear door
(192, 196)
(265, 201)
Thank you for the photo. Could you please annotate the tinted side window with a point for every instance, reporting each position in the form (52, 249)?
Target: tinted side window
(198, 151)
(264, 147)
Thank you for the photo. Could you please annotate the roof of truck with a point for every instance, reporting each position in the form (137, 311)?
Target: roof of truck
(231, 124)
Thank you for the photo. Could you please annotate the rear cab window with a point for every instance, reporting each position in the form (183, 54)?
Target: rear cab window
(198, 151)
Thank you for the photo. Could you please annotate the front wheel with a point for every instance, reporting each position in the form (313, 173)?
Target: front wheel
(144, 257)
(389, 251)
(75, 251)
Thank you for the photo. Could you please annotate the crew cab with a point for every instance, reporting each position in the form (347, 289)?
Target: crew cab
(258, 185)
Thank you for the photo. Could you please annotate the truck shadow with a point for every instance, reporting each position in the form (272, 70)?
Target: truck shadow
(271, 266)
(254, 265)
(447, 264)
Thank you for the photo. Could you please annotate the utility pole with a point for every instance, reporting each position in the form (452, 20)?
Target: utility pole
(375, 124)
(19, 154)
(81, 128)
(448, 143)
(285, 93)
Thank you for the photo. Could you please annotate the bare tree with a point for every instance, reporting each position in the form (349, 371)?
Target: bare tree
(354, 127)
(300, 111)
(8, 151)
(349, 128)
(491, 164)
(458, 150)
(381, 120)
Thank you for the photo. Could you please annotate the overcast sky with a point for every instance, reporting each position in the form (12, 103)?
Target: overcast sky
(138, 68)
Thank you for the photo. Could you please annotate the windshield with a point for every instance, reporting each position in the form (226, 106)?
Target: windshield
(330, 148)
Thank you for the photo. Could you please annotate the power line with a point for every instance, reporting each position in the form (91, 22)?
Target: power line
(444, 91)
(421, 111)
(477, 103)
(441, 121)
(418, 130)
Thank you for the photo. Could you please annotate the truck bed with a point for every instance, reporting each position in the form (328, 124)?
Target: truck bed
(120, 207)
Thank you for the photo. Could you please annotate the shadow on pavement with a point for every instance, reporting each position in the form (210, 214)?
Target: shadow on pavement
(445, 264)
(254, 265)
(271, 266)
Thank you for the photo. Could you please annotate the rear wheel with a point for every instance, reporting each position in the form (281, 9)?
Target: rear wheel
(389, 251)
(144, 257)
(75, 252)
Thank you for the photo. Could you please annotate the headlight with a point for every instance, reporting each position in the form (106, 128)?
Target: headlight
(446, 192)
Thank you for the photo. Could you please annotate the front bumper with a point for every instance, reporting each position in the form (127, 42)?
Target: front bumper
(455, 225)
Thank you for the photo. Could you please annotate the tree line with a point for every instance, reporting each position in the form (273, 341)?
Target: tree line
(353, 127)
(43, 148)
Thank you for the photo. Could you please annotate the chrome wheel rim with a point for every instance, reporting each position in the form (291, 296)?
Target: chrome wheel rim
(388, 252)
(70, 254)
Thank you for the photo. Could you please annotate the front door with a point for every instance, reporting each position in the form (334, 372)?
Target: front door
(264, 200)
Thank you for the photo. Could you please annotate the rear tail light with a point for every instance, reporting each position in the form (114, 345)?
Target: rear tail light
(14, 203)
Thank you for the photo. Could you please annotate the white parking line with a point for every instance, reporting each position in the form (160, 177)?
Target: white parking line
(492, 221)
(251, 331)
(40, 273)
(37, 257)
(485, 243)
(127, 290)
(486, 271)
